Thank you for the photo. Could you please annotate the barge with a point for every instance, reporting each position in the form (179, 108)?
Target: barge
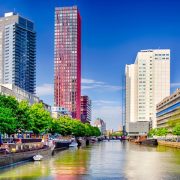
(16, 157)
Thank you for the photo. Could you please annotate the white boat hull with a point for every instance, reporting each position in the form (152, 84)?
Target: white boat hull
(73, 145)
(37, 158)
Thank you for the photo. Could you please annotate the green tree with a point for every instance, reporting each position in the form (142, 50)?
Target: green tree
(54, 127)
(176, 130)
(25, 122)
(9, 102)
(61, 126)
(78, 128)
(117, 134)
(40, 118)
(152, 132)
(96, 131)
(65, 124)
(88, 130)
(8, 122)
(161, 132)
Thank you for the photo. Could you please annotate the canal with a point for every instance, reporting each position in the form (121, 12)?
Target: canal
(105, 160)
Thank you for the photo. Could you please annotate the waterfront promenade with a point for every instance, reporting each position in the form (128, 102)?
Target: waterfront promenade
(104, 160)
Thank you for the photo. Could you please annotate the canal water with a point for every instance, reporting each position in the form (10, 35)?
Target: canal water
(104, 160)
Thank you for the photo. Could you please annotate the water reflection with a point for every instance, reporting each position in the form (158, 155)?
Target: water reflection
(106, 160)
(72, 162)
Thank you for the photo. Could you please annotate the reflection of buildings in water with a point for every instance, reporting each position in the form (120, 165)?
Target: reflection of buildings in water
(105, 159)
(70, 162)
(143, 162)
(27, 170)
(138, 147)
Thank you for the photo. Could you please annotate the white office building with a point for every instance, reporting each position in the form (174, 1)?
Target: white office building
(147, 83)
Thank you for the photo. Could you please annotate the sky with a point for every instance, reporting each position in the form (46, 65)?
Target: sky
(113, 31)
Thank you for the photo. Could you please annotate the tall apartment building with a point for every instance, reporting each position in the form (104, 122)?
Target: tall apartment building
(67, 60)
(85, 109)
(147, 83)
(17, 52)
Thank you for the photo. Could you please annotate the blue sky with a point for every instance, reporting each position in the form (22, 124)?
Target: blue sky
(113, 31)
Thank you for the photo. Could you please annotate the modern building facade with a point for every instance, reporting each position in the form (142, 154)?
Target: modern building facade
(131, 95)
(18, 52)
(67, 60)
(101, 125)
(85, 109)
(138, 128)
(56, 112)
(18, 93)
(168, 108)
(22, 95)
(147, 83)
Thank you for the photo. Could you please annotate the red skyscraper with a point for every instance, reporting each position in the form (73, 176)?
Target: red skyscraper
(67, 60)
(85, 109)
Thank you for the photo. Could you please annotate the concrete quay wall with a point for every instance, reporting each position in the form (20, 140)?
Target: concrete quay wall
(169, 144)
(9, 159)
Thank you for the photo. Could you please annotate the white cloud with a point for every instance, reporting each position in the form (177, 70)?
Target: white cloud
(48, 89)
(104, 102)
(175, 84)
(45, 89)
(90, 81)
(98, 85)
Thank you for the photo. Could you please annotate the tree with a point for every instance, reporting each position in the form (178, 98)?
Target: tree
(117, 134)
(158, 132)
(161, 132)
(9, 102)
(61, 126)
(25, 122)
(68, 126)
(65, 124)
(88, 130)
(41, 118)
(8, 122)
(152, 132)
(54, 126)
(176, 130)
(96, 131)
(78, 128)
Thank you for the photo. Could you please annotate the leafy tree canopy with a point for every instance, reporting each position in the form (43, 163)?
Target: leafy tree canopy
(176, 130)
(117, 134)
(8, 123)
(25, 122)
(40, 118)
(158, 132)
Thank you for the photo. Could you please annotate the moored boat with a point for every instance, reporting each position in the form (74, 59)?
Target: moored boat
(18, 157)
(73, 144)
(37, 157)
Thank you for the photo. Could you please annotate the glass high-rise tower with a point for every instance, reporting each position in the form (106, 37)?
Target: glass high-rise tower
(17, 52)
(67, 60)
